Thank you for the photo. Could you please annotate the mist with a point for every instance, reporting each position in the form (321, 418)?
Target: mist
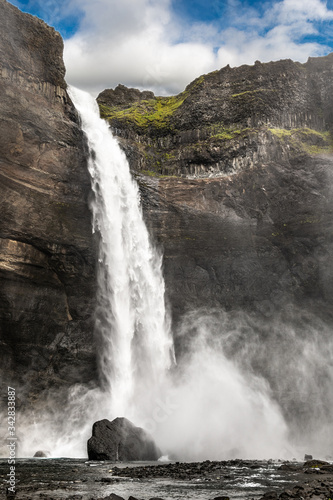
(243, 387)
(250, 387)
(216, 409)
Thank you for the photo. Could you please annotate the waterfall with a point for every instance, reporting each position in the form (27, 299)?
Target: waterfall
(198, 409)
(243, 386)
(132, 326)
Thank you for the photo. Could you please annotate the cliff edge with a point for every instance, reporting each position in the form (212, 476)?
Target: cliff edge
(236, 182)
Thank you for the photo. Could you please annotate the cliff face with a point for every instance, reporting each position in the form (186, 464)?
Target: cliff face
(47, 252)
(236, 181)
(227, 120)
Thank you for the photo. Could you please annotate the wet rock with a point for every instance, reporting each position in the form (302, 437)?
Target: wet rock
(183, 471)
(307, 457)
(120, 440)
(287, 466)
(113, 496)
(315, 463)
(10, 494)
(270, 495)
(327, 468)
(41, 454)
(313, 490)
(108, 480)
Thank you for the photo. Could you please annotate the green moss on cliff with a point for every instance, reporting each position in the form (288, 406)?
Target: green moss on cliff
(219, 131)
(305, 139)
(169, 156)
(310, 220)
(198, 82)
(151, 113)
(250, 92)
(305, 132)
(281, 133)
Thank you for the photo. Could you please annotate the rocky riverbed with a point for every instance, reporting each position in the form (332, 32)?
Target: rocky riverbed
(79, 479)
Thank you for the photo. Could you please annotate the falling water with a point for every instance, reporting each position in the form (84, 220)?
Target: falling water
(132, 327)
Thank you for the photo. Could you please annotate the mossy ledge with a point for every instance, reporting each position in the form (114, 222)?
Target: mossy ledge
(153, 114)
(226, 121)
(312, 142)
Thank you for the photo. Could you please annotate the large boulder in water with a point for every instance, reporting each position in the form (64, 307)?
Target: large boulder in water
(121, 440)
(41, 454)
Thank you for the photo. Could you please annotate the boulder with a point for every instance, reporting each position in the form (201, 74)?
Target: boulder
(315, 463)
(41, 454)
(121, 440)
(113, 496)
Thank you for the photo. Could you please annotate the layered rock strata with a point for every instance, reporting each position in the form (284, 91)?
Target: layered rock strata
(47, 252)
(236, 181)
(226, 121)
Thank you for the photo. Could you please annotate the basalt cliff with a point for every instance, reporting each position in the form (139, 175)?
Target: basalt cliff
(47, 251)
(236, 182)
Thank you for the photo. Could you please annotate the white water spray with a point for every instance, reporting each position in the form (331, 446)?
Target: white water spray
(132, 327)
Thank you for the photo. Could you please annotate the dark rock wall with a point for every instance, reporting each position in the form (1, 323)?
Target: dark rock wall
(47, 252)
(245, 219)
(258, 240)
(223, 122)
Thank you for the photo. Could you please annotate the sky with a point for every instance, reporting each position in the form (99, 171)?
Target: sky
(163, 45)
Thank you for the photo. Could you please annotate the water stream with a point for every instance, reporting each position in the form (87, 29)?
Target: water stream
(132, 327)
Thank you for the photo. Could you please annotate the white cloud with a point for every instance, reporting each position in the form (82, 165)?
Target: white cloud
(141, 43)
(290, 11)
(277, 35)
(133, 43)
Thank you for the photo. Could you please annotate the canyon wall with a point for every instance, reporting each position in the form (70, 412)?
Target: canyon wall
(236, 182)
(47, 250)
